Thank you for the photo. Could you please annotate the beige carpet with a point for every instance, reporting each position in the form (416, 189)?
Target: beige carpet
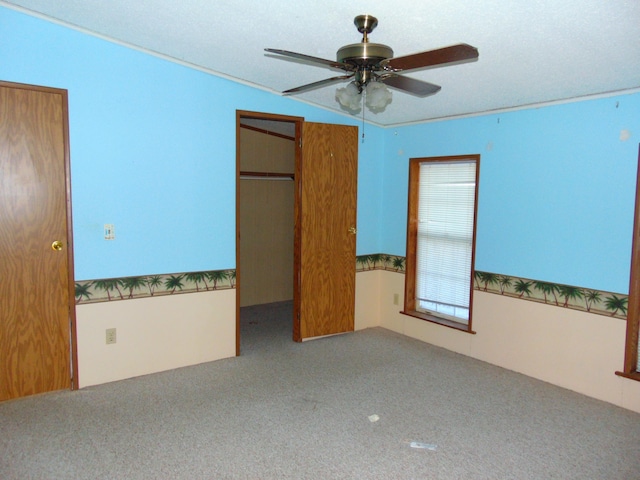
(287, 410)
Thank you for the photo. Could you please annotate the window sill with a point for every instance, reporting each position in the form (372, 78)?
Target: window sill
(440, 321)
(632, 376)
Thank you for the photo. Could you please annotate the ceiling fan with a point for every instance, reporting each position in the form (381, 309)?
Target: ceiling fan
(367, 63)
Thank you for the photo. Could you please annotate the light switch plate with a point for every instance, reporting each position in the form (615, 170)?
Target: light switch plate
(109, 231)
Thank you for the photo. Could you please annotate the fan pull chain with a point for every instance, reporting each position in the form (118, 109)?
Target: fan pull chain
(364, 92)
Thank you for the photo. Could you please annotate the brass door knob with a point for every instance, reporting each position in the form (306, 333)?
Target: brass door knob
(57, 245)
(353, 230)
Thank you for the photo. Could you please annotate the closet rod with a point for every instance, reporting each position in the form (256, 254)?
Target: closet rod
(266, 176)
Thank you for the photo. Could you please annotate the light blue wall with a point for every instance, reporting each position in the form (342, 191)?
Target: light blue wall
(557, 187)
(153, 150)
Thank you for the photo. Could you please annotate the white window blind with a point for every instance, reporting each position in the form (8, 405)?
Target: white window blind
(446, 206)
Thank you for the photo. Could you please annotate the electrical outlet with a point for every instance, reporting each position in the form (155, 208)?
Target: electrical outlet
(396, 299)
(110, 336)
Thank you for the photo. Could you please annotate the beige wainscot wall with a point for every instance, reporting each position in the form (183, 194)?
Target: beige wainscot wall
(367, 313)
(576, 350)
(154, 334)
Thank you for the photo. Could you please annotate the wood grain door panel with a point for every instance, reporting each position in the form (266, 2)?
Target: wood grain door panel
(34, 278)
(327, 214)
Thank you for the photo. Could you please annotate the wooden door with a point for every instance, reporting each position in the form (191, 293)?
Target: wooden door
(35, 278)
(325, 231)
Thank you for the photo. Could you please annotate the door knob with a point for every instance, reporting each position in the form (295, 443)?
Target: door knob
(57, 245)
(353, 230)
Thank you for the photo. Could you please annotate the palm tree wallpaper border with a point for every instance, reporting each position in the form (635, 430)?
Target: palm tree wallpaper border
(575, 298)
(380, 261)
(565, 296)
(106, 290)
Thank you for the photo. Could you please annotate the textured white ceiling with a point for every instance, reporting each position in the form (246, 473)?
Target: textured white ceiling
(531, 51)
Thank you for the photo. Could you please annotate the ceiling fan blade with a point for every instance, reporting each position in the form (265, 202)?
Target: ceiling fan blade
(308, 58)
(410, 85)
(432, 58)
(314, 85)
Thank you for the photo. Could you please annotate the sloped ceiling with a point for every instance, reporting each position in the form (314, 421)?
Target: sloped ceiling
(531, 51)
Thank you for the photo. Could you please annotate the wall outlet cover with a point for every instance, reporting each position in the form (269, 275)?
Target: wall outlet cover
(110, 336)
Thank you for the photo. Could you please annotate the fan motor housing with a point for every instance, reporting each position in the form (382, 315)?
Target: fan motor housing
(364, 54)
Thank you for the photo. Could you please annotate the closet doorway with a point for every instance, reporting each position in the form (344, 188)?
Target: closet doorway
(321, 237)
(265, 215)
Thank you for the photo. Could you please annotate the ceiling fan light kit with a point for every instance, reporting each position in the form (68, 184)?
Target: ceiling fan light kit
(349, 98)
(371, 67)
(376, 97)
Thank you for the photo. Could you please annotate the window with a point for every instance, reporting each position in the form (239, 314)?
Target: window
(632, 351)
(441, 239)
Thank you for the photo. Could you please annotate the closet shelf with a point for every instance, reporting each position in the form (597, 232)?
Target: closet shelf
(244, 175)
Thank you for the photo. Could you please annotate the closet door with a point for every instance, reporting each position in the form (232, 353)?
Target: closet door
(35, 279)
(325, 230)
